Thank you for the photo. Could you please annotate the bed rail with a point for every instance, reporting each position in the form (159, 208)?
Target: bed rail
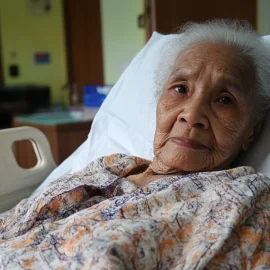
(17, 183)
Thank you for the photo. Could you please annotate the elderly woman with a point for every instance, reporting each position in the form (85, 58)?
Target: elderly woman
(188, 208)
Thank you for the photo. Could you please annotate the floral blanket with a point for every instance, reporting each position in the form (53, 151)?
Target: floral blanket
(98, 219)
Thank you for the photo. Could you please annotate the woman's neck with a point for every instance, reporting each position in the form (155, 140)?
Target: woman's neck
(148, 176)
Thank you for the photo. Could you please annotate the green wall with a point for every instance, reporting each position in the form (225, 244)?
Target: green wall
(263, 17)
(23, 34)
(122, 38)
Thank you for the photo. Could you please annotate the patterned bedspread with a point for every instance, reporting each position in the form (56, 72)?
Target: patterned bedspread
(97, 219)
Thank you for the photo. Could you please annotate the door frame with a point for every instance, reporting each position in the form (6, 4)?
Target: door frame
(89, 35)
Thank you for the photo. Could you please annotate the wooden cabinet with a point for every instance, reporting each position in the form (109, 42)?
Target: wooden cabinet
(64, 139)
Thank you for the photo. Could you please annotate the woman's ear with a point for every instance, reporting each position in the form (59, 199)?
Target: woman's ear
(251, 135)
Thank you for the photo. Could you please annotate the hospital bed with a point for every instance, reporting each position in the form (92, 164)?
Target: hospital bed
(125, 123)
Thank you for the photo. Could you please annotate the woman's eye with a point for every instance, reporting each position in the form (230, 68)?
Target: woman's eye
(225, 100)
(180, 89)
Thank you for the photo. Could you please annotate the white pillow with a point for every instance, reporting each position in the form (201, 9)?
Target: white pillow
(258, 156)
(126, 120)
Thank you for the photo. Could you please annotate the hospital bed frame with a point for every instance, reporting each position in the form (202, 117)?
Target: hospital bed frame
(17, 183)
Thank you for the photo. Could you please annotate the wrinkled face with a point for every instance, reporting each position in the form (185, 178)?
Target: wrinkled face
(204, 115)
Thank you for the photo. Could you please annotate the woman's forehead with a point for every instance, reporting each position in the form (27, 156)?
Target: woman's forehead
(219, 59)
(204, 53)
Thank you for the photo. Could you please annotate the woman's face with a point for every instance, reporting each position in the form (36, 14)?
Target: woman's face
(204, 115)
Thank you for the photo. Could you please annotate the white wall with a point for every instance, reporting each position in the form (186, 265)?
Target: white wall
(121, 37)
(263, 17)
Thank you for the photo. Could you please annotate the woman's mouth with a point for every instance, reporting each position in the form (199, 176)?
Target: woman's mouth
(184, 142)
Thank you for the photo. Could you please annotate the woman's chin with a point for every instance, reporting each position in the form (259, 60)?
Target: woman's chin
(189, 162)
(188, 159)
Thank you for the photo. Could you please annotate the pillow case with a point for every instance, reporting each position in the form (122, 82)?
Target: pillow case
(126, 120)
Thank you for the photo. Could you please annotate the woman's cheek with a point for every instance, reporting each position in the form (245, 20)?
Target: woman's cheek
(227, 140)
(160, 140)
(229, 121)
(167, 116)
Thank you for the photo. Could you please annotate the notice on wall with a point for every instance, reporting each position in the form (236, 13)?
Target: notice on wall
(42, 58)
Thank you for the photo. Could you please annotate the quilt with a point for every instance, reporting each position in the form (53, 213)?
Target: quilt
(98, 219)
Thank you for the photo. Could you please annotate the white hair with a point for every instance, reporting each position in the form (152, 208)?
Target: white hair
(236, 34)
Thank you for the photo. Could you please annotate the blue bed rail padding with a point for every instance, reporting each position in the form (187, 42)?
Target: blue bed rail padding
(94, 95)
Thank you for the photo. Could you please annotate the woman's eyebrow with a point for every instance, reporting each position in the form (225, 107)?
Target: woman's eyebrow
(182, 72)
(232, 83)
(228, 80)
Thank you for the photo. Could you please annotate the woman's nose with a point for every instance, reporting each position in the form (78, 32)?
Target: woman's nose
(194, 114)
